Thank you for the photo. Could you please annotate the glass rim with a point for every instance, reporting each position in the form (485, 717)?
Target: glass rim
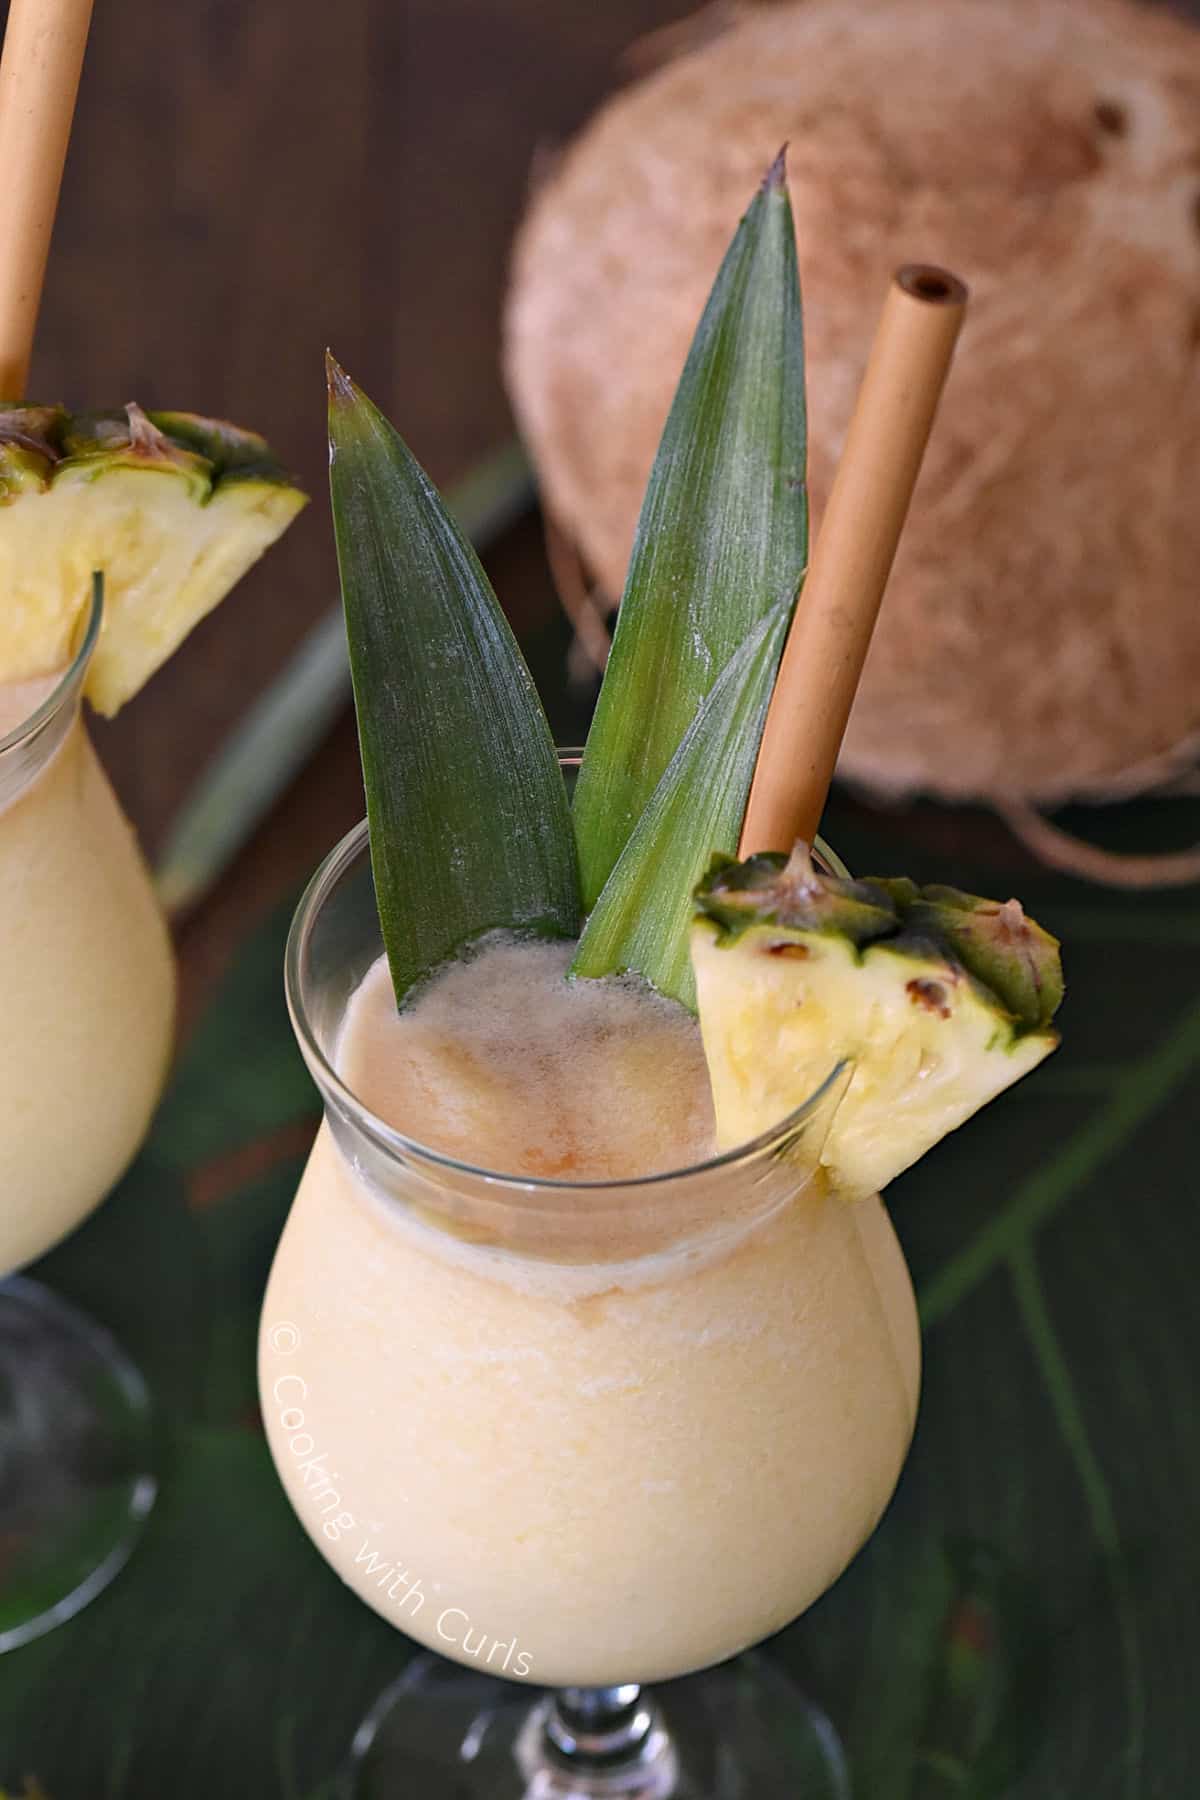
(398, 1145)
(67, 685)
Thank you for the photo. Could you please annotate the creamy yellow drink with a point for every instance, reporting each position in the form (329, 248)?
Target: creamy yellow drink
(86, 975)
(575, 1434)
(118, 531)
(155, 518)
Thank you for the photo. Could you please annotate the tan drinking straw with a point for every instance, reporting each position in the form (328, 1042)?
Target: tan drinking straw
(852, 558)
(39, 78)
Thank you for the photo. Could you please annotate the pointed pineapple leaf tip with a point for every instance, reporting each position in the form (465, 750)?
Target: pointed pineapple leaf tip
(775, 178)
(341, 388)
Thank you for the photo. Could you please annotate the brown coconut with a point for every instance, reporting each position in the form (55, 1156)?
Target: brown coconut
(1040, 638)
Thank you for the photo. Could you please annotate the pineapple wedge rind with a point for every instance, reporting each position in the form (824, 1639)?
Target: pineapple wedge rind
(770, 887)
(994, 939)
(785, 993)
(173, 508)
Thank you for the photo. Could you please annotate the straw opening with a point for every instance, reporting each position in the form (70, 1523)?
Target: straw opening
(925, 281)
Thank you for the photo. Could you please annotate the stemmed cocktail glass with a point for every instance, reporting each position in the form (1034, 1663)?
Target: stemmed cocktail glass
(88, 987)
(583, 1436)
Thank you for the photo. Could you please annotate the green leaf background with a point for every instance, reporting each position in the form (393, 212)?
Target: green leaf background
(1024, 1622)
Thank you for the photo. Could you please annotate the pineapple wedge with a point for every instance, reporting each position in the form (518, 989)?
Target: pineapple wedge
(938, 999)
(173, 508)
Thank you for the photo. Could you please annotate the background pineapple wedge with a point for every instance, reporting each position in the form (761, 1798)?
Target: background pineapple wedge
(939, 1000)
(173, 508)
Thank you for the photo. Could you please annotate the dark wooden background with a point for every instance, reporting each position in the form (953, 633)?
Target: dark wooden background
(246, 184)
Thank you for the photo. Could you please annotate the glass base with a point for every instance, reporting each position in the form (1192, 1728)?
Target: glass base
(75, 1443)
(738, 1732)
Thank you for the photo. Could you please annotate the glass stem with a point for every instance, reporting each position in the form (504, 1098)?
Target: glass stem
(606, 1743)
(599, 1728)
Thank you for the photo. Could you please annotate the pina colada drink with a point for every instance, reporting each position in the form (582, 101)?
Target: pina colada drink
(116, 534)
(621, 1441)
(86, 976)
(589, 1357)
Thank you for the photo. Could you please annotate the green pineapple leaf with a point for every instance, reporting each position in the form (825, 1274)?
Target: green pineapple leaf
(470, 827)
(642, 919)
(723, 531)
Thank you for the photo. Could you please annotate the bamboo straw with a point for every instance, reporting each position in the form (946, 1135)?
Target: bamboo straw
(39, 78)
(852, 558)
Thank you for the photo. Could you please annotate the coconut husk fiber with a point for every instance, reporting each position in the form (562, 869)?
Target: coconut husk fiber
(1040, 637)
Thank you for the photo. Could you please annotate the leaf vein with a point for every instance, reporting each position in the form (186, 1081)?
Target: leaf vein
(1037, 1200)
(1068, 1413)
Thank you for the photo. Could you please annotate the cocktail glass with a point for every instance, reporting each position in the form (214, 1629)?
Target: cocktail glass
(87, 990)
(586, 1436)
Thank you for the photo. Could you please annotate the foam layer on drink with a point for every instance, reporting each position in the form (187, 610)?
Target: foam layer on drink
(502, 1063)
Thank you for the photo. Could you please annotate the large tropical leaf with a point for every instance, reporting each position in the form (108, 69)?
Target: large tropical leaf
(470, 828)
(642, 920)
(265, 1087)
(723, 531)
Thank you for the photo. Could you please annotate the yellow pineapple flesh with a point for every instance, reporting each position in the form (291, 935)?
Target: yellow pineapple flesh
(935, 1000)
(172, 509)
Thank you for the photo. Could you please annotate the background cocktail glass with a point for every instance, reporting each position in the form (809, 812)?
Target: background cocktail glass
(87, 995)
(589, 1435)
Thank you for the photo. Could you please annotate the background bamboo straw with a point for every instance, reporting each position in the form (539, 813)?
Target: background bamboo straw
(852, 557)
(39, 78)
